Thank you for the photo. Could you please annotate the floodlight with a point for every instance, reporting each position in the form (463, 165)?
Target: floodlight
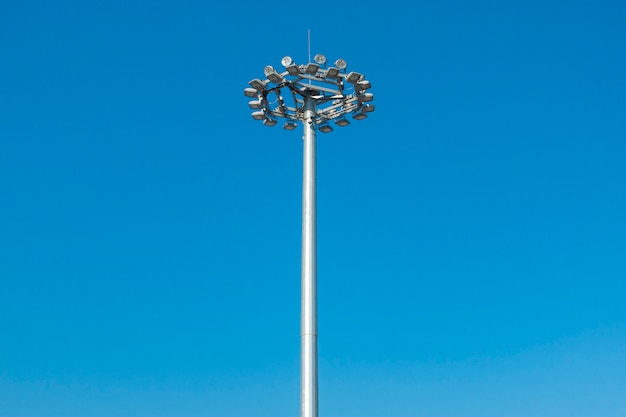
(255, 104)
(342, 122)
(362, 85)
(353, 77)
(268, 70)
(332, 72)
(320, 59)
(311, 68)
(368, 108)
(293, 69)
(258, 115)
(269, 122)
(275, 77)
(286, 61)
(365, 97)
(289, 126)
(359, 116)
(250, 92)
(325, 128)
(257, 84)
(341, 64)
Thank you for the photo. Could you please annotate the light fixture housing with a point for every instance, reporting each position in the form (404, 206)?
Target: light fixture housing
(359, 116)
(293, 69)
(275, 77)
(341, 64)
(286, 61)
(320, 59)
(250, 92)
(257, 84)
(255, 104)
(368, 108)
(325, 128)
(332, 72)
(353, 77)
(269, 122)
(311, 68)
(343, 122)
(268, 70)
(365, 97)
(362, 85)
(258, 115)
(289, 126)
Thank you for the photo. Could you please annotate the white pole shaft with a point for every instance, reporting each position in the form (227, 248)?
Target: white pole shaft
(308, 354)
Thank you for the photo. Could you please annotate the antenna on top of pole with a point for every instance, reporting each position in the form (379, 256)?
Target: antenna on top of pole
(309, 43)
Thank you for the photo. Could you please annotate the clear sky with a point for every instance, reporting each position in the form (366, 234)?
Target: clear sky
(471, 232)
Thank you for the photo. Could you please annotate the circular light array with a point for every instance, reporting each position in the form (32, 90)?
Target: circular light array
(336, 93)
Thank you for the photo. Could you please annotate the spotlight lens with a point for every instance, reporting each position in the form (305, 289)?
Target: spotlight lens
(320, 59)
(268, 70)
(286, 61)
(341, 64)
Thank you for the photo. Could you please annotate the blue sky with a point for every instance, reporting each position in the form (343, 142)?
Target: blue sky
(471, 232)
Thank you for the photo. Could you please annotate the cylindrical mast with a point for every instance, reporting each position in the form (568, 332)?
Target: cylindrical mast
(308, 354)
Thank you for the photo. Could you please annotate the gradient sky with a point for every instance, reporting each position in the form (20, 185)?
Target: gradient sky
(471, 231)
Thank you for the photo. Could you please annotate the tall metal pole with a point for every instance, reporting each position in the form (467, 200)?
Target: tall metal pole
(329, 94)
(308, 354)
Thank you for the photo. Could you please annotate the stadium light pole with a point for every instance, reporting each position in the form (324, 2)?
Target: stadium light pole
(317, 95)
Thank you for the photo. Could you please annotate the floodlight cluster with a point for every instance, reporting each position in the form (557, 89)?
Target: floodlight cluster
(337, 94)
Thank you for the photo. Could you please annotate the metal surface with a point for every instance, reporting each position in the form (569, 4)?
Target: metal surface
(315, 96)
(308, 325)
